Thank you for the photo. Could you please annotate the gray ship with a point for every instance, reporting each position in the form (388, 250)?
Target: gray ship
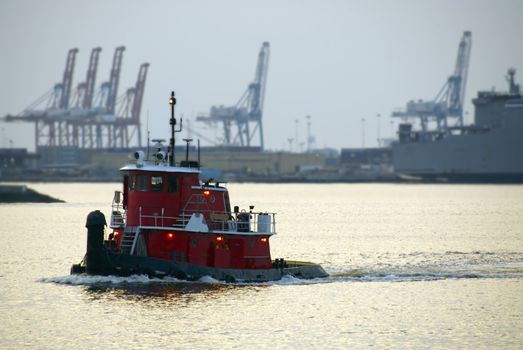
(489, 151)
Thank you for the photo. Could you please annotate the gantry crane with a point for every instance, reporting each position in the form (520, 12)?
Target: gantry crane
(248, 110)
(448, 103)
(83, 118)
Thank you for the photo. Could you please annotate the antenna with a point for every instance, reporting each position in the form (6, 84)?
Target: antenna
(188, 141)
(199, 163)
(148, 135)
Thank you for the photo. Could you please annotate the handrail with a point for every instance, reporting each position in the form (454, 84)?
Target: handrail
(118, 216)
(243, 222)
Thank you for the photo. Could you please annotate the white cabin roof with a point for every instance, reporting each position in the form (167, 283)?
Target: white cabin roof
(160, 168)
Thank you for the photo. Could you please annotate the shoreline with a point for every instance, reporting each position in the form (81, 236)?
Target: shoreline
(24, 194)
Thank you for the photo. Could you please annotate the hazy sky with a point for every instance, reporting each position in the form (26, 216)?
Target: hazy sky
(338, 61)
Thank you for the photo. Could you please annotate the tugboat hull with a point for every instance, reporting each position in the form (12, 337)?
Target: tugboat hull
(117, 264)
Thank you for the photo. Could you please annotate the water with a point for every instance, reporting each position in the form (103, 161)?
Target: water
(412, 266)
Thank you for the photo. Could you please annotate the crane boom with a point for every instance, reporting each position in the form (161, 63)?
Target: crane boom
(114, 79)
(260, 78)
(458, 82)
(67, 79)
(90, 79)
(139, 91)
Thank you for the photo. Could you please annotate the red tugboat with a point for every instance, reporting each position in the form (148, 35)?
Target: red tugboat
(169, 223)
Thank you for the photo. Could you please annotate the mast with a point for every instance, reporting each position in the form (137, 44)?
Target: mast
(172, 102)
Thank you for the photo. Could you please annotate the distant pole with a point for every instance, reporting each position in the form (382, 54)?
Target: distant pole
(297, 139)
(392, 129)
(379, 137)
(290, 144)
(363, 132)
(309, 141)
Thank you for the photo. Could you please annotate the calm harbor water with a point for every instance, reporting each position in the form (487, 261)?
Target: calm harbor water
(412, 266)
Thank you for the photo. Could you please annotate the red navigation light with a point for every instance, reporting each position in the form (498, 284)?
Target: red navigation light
(219, 239)
(206, 193)
(263, 239)
(172, 101)
(170, 235)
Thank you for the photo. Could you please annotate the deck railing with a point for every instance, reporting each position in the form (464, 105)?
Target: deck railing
(261, 223)
(242, 222)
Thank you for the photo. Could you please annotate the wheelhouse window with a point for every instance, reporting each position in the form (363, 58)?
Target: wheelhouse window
(131, 183)
(157, 183)
(172, 183)
(141, 183)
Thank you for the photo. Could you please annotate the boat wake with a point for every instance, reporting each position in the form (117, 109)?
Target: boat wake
(89, 280)
(419, 266)
(411, 267)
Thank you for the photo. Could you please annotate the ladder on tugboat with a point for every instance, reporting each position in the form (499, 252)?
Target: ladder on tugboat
(182, 220)
(129, 239)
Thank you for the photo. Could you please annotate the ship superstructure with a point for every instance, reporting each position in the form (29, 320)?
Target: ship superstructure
(490, 150)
